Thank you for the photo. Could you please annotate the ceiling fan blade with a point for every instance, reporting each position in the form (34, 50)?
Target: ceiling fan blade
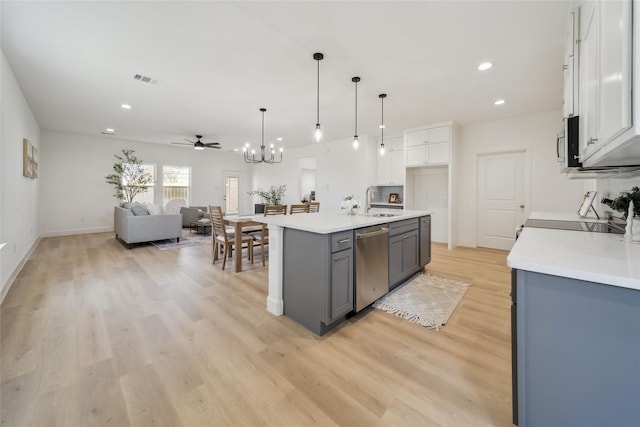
(211, 144)
(181, 143)
(188, 140)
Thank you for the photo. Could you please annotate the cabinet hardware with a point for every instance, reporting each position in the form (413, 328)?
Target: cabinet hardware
(348, 239)
(405, 237)
(564, 67)
(335, 258)
(592, 141)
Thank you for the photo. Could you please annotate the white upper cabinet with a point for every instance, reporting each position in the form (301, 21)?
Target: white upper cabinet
(570, 66)
(430, 146)
(391, 166)
(608, 128)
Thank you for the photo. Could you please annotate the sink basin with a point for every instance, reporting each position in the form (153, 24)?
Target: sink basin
(383, 215)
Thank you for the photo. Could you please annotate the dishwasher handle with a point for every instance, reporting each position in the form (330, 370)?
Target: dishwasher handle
(360, 235)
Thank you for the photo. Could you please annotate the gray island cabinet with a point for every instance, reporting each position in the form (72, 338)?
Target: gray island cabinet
(318, 278)
(575, 329)
(318, 262)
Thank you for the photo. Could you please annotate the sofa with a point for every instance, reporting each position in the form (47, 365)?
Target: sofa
(131, 228)
(193, 213)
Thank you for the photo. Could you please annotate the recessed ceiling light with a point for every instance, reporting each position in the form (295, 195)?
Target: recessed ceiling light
(110, 130)
(126, 106)
(485, 66)
(236, 149)
(499, 102)
(279, 139)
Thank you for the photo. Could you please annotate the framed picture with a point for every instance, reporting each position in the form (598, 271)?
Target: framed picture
(29, 160)
(394, 198)
(586, 203)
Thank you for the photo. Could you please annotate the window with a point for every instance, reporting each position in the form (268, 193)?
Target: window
(176, 183)
(149, 195)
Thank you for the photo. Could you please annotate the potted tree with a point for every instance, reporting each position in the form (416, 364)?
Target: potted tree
(129, 177)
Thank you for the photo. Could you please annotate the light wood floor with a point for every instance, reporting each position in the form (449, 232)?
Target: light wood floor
(94, 334)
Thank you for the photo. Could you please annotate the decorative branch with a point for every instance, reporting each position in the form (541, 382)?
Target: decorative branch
(129, 177)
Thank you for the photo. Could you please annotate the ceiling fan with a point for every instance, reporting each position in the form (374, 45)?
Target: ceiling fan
(199, 145)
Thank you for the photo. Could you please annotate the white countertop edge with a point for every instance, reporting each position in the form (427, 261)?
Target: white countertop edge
(588, 276)
(334, 221)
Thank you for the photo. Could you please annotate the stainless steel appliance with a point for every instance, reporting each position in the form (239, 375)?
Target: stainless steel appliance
(372, 265)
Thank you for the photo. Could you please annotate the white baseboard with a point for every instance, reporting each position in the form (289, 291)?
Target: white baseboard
(17, 270)
(467, 243)
(74, 231)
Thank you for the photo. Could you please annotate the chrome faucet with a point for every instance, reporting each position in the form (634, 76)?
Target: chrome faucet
(367, 201)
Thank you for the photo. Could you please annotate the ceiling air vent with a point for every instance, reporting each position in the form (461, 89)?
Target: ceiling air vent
(145, 79)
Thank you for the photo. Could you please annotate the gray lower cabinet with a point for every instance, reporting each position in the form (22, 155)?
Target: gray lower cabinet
(318, 278)
(425, 240)
(578, 352)
(403, 251)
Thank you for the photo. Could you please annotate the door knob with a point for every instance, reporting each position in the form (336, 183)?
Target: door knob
(521, 206)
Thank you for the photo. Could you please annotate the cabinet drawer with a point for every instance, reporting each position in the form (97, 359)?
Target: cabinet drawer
(341, 241)
(404, 226)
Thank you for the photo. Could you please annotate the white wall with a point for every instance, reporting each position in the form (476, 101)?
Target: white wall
(76, 199)
(340, 171)
(536, 134)
(19, 198)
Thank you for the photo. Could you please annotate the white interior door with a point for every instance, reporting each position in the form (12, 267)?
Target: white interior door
(231, 193)
(502, 197)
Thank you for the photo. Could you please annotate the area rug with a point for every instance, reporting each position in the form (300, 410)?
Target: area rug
(427, 300)
(188, 239)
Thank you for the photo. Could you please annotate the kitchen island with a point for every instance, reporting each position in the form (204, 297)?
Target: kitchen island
(576, 328)
(302, 249)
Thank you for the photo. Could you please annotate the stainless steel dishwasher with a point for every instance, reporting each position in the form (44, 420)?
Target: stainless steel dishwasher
(372, 264)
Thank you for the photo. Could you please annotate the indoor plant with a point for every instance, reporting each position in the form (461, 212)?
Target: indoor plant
(621, 203)
(272, 196)
(129, 177)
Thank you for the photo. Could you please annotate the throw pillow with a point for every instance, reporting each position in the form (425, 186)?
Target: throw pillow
(138, 209)
(154, 209)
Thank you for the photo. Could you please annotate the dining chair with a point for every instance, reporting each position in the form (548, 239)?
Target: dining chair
(262, 238)
(294, 209)
(223, 238)
(314, 207)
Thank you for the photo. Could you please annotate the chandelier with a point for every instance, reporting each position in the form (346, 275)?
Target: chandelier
(251, 158)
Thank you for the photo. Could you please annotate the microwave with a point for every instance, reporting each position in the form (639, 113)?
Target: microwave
(568, 143)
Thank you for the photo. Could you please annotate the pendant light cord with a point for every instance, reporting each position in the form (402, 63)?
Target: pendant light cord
(356, 129)
(318, 95)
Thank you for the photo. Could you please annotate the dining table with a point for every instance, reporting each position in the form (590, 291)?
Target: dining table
(240, 223)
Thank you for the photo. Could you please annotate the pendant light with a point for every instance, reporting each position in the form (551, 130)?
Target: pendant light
(318, 134)
(263, 151)
(382, 96)
(355, 136)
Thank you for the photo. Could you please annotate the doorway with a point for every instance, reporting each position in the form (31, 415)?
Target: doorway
(232, 193)
(503, 197)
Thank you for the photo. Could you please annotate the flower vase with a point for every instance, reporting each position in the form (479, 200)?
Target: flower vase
(353, 211)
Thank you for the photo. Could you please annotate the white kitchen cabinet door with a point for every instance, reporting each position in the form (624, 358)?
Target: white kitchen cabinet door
(438, 153)
(417, 138)
(614, 69)
(606, 78)
(588, 80)
(397, 167)
(570, 66)
(391, 165)
(416, 155)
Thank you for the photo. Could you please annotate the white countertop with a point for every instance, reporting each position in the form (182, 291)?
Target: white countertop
(595, 257)
(331, 222)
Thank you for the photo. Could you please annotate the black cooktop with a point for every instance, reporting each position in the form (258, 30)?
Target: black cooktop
(594, 227)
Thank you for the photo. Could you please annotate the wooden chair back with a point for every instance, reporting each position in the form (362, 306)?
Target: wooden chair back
(314, 206)
(275, 210)
(293, 209)
(217, 223)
